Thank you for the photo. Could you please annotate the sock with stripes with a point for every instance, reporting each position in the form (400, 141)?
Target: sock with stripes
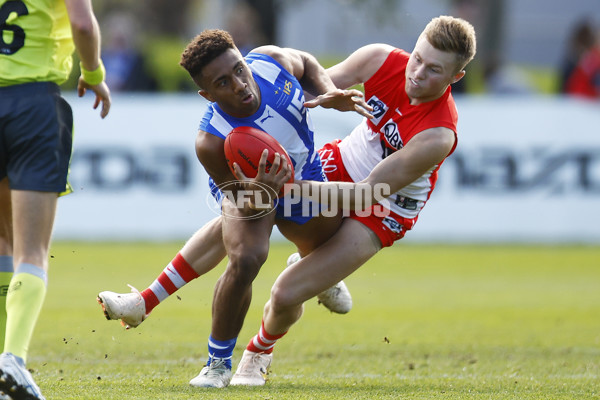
(263, 342)
(175, 275)
(24, 302)
(6, 273)
(221, 349)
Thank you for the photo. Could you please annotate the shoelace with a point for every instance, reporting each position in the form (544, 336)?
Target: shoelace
(134, 290)
(214, 366)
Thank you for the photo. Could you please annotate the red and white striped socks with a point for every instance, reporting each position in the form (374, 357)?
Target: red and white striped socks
(263, 342)
(175, 275)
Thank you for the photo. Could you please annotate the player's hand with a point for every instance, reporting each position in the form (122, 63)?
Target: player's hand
(278, 174)
(342, 100)
(102, 94)
(266, 183)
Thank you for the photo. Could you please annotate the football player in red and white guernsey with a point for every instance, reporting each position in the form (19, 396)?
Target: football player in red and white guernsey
(412, 131)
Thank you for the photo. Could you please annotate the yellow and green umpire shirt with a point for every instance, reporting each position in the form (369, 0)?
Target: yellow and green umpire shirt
(36, 43)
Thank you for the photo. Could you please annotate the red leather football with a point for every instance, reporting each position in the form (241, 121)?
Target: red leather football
(244, 145)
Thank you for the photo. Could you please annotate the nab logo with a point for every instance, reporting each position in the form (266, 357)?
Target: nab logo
(379, 109)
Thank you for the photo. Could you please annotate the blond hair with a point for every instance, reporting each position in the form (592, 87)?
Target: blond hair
(453, 35)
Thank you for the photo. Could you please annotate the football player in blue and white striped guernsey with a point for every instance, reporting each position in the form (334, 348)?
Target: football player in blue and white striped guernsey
(264, 90)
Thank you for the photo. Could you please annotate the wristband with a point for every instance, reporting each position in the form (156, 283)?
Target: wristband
(93, 77)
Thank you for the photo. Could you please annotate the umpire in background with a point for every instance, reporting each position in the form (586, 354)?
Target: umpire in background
(37, 40)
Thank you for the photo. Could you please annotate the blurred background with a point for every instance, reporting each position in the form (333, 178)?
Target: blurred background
(527, 168)
(524, 46)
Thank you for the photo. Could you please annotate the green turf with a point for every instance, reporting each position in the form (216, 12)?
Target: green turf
(429, 322)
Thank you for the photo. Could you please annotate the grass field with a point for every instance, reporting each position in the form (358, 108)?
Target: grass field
(429, 322)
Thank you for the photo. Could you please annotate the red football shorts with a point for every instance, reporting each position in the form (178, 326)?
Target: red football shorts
(388, 226)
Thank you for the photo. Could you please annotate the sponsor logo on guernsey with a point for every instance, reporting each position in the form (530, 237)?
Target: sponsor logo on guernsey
(406, 202)
(287, 88)
(390, 138)
(379, 109)
(392, 135)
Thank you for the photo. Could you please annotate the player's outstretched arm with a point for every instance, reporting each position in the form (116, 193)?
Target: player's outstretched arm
(342, 100)
(86, 36)
(420, 155)
(360, 66)
(354, 70)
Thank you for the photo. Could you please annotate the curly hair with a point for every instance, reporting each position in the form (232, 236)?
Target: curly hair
(204, 48)
(454, 35)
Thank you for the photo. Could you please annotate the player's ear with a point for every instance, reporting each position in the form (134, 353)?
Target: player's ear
(457, 77)
(205, 94)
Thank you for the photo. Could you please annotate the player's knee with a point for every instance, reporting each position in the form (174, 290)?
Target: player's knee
(244, 266)
(281, 299)
(284, 308)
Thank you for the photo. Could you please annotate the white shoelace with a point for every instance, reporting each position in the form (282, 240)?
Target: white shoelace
(134, 290)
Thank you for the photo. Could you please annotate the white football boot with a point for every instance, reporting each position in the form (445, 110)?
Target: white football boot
(293, 259)
(337, 298)
(213, 375)
(15, 379)
(130, 308)
(252, 369)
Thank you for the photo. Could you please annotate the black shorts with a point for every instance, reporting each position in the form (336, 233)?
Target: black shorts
(36, 137)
